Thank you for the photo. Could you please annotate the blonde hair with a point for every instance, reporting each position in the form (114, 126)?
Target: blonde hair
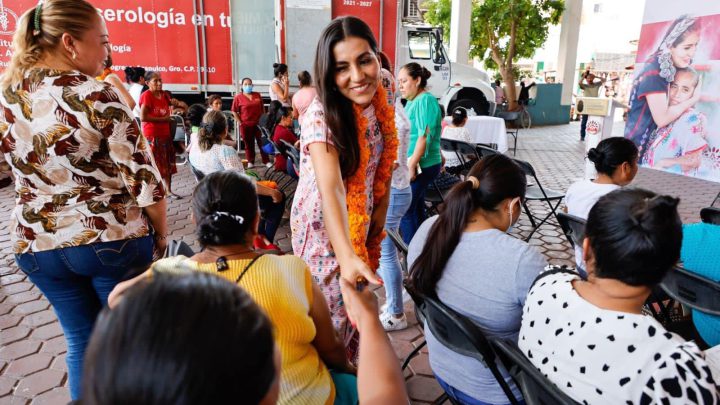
(212, 129)
(57, 17)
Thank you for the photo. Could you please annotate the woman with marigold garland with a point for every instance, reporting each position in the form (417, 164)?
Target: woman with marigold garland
(348, 145)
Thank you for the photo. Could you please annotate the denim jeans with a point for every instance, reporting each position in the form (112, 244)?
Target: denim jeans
(583, 126)
(389, 269)
(463, 398)
(77, 281)
(416, 213)
(270, 216)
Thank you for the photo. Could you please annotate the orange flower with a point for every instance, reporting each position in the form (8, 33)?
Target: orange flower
(358, 219)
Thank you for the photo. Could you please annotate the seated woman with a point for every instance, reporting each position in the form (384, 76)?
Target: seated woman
(591, 337)
(616, 164)
(210, 155)
(456, 131)
(226, 212)
(280, 127)
(701, 254)
(465, 258)
(221, 348)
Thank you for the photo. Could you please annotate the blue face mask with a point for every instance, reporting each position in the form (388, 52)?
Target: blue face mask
(248, 88)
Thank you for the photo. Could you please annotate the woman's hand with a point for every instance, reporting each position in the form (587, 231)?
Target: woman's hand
(159, 246)
(361, 303)
(412, 168)
(277, 196)
(354, 270)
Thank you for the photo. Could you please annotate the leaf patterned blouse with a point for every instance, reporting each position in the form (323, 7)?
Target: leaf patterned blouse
(83, 170)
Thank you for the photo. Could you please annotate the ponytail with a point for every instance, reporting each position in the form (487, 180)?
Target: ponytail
(492, 180)
(40, 31)
(212, 129)
(415, 70)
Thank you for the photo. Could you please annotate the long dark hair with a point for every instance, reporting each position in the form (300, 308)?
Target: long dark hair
(134, 74)
(416, 70)
(500, 178)
(611, 153)
(274, 119)
(279, 69)
(339, 114)
(635, 236)
(227, 192)
(181, 339)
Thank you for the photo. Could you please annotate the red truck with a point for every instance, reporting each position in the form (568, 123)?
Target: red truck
(198, 51)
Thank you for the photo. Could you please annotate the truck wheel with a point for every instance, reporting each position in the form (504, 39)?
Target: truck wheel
(467, 103)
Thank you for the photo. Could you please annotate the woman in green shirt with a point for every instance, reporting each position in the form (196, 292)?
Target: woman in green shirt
(424, 158)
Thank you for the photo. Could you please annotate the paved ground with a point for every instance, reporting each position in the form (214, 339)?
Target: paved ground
(32, 360)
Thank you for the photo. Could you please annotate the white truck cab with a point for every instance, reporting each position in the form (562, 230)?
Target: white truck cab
(455, 85)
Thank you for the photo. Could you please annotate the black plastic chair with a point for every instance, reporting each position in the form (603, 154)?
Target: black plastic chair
(536, 389)
(459, 334)
(511, 117)
(401, 246)
(710, 215)
(419, 302)
(573, 227)
(178, 123)
(197, 173)
(537, 192)
(178, 248)
(693, 290)
(484, 150)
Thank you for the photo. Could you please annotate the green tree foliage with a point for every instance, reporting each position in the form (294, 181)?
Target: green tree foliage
(502, 31)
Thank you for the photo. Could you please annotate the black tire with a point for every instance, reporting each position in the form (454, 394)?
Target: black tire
(525, 119)
(467, 103)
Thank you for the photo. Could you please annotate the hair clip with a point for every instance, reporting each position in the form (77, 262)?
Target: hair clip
(36, 20)
(238, 218)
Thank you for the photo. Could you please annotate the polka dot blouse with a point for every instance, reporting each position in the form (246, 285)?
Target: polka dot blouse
(598, 356)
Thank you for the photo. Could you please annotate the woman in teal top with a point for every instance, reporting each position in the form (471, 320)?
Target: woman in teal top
(701, 254)
(424, 158)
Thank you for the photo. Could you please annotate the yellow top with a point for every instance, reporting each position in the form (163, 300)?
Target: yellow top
(282, 286)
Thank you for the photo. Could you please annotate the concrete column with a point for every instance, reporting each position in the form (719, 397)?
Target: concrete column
(567, 57)
(460, 31)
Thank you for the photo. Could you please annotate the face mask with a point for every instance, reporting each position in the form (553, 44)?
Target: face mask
(248, 88)
(512, 205)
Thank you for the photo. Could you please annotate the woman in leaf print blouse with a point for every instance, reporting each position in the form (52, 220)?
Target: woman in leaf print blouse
(88, 191)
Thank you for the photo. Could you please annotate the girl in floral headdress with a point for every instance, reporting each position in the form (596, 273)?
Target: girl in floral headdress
(348, 145)
(649, 103)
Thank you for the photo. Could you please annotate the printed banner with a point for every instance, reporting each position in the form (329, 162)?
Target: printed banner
(158, 35)
(674, 112)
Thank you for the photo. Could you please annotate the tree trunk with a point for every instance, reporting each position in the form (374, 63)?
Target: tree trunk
(510, 93)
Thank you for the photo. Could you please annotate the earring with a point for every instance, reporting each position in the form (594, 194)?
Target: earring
(74, 55)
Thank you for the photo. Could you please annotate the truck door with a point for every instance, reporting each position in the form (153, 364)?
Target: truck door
(254, 46)
(425, 48)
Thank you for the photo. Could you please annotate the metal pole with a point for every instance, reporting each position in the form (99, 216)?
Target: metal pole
(197, 46)
(382, 20)
(204, 37)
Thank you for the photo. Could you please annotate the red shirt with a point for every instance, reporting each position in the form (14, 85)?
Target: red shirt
(249, 110)
(159, 107)
(285, 134)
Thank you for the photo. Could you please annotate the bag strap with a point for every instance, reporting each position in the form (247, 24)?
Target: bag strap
(242, 274)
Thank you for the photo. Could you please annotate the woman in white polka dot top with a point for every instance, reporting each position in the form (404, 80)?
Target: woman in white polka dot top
(590, 337)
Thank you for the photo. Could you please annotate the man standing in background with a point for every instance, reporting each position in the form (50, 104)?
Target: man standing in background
(590, 88)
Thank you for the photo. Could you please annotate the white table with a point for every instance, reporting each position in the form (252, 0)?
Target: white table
(487, 130)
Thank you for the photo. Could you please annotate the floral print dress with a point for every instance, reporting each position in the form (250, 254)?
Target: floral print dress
(310, 238)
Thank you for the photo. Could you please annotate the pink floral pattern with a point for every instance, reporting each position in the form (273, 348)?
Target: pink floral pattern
(310, 238)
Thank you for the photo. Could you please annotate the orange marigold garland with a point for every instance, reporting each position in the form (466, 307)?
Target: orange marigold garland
(369, 250)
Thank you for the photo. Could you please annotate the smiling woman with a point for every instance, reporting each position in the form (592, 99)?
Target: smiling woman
(89, 188)
(348, 145)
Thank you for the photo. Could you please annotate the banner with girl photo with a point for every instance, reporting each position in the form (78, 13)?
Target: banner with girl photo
(674, 116)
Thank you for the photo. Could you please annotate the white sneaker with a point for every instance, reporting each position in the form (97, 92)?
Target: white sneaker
(390, 323)
(268, 165)
(250, 165)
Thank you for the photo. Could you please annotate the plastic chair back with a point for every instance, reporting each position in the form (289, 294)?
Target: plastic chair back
(462, 336)
(178, 248)
(693, 290)
(710, 215)
(485, 151)
(465, 149)
(573, 227)
(536, 389)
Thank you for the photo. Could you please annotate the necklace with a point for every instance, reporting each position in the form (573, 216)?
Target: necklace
(221, 258)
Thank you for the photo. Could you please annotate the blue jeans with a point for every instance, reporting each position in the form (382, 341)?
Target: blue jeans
(416, 213)
(77, 281)
(583, 126)
(463, 398)
(271, 215)
(389, 269)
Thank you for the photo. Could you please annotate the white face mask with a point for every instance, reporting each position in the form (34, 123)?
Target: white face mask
(512, 205)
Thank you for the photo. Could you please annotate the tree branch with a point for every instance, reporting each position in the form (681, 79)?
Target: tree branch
(494, 50)
(511, 44)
